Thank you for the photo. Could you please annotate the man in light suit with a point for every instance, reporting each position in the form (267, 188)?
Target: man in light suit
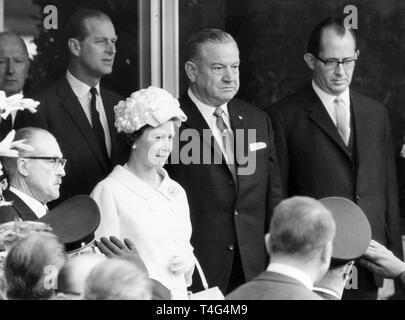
(231, 199)
(78, 111)
(300, 248)
(35, 177)
(333, 141)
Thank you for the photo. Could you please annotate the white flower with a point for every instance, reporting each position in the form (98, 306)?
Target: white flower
(14, 103)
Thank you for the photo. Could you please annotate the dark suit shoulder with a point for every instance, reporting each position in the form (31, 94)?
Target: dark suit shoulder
(248, 107)
(7, 214)
(113, 95)
(273, 286)
(368, 101)
(291, 102)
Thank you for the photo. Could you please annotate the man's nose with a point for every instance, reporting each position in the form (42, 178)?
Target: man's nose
(111, 47)
(61, 172)
(229, 75)
(340, 69)
(10, 67)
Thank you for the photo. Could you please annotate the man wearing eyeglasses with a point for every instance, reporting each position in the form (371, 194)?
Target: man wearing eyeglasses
(333, 141)
(35, 177)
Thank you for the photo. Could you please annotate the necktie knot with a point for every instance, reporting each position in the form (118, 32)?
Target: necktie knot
(218, 112)
(220, 121)
(93, 91)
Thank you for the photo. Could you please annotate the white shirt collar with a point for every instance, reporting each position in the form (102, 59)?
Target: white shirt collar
(292, 272)
(330, 292)
(327, 98)
(79, 88)
(37, 207)
(206, 110)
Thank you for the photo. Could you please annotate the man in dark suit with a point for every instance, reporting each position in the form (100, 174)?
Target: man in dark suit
(14, 64)
(78, 112)
(34, 177)
(333, 141)
(232, 182)
(300, 248)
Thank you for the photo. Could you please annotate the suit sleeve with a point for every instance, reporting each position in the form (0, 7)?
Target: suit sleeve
(392, 215)
(109, 216)
(275, 189)
(281, 150)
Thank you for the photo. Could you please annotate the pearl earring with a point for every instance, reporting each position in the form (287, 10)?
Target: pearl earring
(134, 146)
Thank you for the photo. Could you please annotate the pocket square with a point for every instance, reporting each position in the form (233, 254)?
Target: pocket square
(257, 146)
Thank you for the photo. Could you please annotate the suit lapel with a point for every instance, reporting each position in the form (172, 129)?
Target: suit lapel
(319, 115)
(22, 209)
(237, 116)
(72, 105)
(109, 103)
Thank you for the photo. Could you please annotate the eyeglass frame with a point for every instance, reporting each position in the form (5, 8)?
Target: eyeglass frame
(61, 161)
(337, 61)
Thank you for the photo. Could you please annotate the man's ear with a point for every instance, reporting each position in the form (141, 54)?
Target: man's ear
(326, 253)
(22, 167)
(310, 60)
(27, 68)
(267, 242)
(74, 46)
(191, 70)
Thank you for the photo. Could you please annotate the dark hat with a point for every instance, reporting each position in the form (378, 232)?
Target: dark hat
(353, 231)
(74, 221)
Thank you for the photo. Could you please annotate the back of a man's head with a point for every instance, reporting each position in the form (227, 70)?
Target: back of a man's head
(300, 227)
(31, 266)
(73, 274)
(117, 279)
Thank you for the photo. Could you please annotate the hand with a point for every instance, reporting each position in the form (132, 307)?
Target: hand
(115, 248)
(382, 261)
(387, 290)
(181, 263)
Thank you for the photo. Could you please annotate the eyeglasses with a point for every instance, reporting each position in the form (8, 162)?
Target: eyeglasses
(332, 64)
(57, 162)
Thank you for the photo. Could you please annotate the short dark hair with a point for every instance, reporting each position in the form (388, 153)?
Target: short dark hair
(300, 226)
(75, 27)
(336, 24)
(193, 46)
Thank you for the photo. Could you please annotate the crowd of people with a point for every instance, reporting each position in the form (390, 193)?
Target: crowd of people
(112, 198)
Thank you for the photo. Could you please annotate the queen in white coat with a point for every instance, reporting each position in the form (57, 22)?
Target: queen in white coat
(139, 201)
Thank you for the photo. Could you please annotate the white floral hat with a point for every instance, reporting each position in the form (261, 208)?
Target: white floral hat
(153, 106)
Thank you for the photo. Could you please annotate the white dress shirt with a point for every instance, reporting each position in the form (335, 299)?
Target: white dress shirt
(328, 101)
(292, 273)
(82, 92)
(37, 207)
(208, 114)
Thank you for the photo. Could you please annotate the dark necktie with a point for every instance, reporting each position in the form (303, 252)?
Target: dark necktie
(5, 127)
(95, 119)
(227, 141)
